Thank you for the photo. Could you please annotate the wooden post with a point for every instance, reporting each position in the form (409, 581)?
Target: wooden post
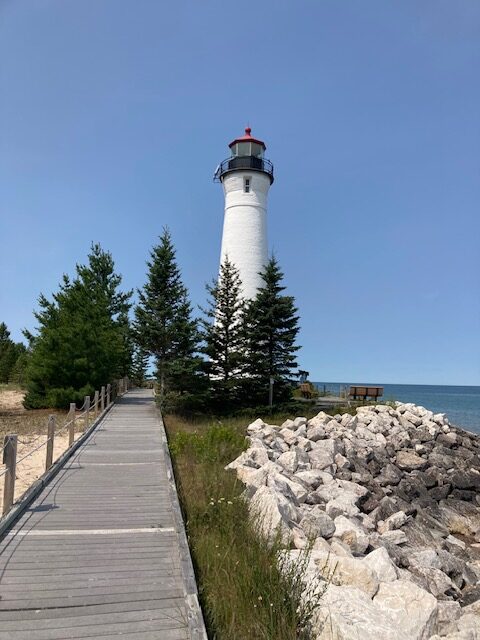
(109, 391)
(87, 412)
(95, 400)
(102, 399)
(71, 426)
(50, 442)
(270, 392)
(10, 462)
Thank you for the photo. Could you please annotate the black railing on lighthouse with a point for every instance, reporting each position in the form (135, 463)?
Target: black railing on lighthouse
(243, 162)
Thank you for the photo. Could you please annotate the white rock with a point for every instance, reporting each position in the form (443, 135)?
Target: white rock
(448, 614)
(427, 558)
(272, 512)
(299, 422)
(289, 461)
(289, 436)
(410, 608)
(289, 424)
(320, 459)
(343, 504)
(395, 521)
(346, 571)
(352, 534)
(255, 426)
(321, 544)
(339, 548)
(380, 562)
(347, 613)
(293, 491)
(341, 461)
(394, 537)
(316, 433)
(312, 478)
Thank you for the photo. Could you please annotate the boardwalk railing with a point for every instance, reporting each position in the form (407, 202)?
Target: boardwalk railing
(89, 411)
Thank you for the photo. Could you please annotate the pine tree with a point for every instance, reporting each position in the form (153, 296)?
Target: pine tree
(223, 336)
(163, 322)
(10, 353)
(80, 343)
(271, 328)
(139, 365)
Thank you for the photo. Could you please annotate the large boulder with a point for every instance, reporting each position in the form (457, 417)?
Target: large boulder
(347, 613)
(346, 571)
(381, 564)
(412, 609)
(272, 513)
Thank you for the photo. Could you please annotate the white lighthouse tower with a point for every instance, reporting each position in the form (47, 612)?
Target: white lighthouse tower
(246, 177)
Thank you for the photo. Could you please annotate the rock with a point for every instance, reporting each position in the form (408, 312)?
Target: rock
(394, 537)
(380, 563)
(316, 433)
(410, 608)
(317, 524)
(320, 458)
(299, 422)
(352, 534)
(343, 504)
(390, 474)
(345, 571)
(409, 460)
(448, 614)
(312, 478)
(288, 436)
(289, 461)
(272, 512)
(395, 521)
(255, 426)
(426, 558)
(288, 424)
(347, 613)
(435, 581)
(293, 491)
(339, 548)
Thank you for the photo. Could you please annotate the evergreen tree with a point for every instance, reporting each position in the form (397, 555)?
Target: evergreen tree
(163, 323)
(271, 328)
(223, 335)
(80, 344)
(10, 353)
(139, 365)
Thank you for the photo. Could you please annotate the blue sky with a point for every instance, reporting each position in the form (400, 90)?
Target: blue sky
(114, 115)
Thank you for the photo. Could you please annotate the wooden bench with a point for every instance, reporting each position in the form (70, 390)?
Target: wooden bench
(364, 393)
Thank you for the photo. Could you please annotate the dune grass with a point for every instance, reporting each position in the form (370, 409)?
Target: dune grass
(244, 593)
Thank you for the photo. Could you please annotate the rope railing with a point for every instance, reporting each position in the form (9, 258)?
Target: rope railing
(103, 398)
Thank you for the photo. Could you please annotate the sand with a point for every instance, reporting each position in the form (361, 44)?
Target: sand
(33, 467)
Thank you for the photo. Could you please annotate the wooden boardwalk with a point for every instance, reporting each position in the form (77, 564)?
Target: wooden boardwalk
(102, 550)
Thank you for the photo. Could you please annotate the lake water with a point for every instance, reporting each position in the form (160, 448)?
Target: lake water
(461, 404)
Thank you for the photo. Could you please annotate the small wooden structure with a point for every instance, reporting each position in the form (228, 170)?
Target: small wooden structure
(365, 393)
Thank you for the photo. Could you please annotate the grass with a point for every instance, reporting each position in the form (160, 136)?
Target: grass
(244, 593)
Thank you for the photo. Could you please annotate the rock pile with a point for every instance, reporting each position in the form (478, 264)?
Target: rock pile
(390, 498)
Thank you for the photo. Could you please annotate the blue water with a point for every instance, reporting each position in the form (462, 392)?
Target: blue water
(461, 404)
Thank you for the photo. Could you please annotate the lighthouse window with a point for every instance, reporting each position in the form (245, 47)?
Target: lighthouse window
(244, 148)
(246, 185)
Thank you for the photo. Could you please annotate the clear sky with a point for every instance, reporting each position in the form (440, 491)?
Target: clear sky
(115, 113)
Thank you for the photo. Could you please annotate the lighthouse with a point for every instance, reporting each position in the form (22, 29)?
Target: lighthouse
(246, 177)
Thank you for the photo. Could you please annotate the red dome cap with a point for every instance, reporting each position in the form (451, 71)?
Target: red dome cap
(247, 138)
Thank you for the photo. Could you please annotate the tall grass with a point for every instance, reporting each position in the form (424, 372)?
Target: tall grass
(244, 593)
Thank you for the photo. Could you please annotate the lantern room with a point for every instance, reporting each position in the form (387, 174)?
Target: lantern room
(247, 153)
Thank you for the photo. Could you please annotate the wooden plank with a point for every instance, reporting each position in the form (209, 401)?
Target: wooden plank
(101, 550)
